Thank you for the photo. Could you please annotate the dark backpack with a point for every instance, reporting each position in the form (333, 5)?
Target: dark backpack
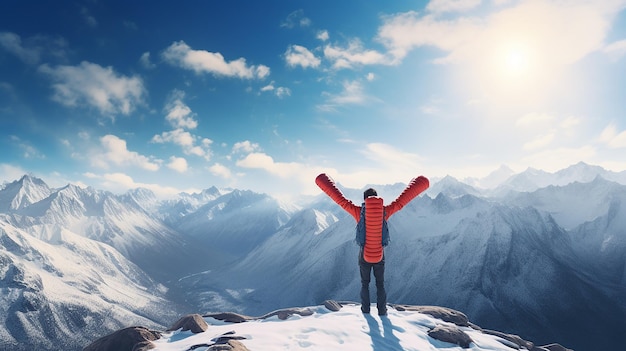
(360, 229)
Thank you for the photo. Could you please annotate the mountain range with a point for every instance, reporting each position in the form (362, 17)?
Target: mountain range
(538, 254)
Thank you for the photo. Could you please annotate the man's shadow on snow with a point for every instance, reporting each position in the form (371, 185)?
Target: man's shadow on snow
(386, 341)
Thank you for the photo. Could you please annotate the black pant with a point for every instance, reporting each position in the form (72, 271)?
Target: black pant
(366, 269)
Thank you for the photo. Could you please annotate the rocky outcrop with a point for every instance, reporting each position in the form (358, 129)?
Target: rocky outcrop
(451, 334)
(192, 322)
(452, 331)
(239, 318)
(443, 313)
(131, 339)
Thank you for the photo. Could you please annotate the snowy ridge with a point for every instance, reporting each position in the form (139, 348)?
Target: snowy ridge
(522, 260)
(48, 291)
(22, 193)
(533, 179)
(321, 328)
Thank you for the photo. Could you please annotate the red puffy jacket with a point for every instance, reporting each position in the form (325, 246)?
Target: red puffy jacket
(374, 209)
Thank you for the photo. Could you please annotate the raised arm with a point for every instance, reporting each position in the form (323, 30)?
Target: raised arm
(328, 186)
(416, 186)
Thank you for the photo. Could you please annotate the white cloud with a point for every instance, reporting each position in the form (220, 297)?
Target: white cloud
(96, 86)
(352, 55)
(429, 109)
(145, 61)
(179, 115)
(262, 71)
(178, 136)
(452, 5)
(543, 129)
(121, 182)
(245, 146)
(201, 61)
(352, 94)
(28, 150)
(186, 141)
(220, 171)
(297, 55)
(539, 142)
(616, 50)
(561, 33)
(389, 157)
(88, 18)
(570, 122)
(114, 150)
(432, 107)
(380, 163)
(612, 138)
(323, 35)
(295, 19)
(263, 161)
(533, 120)
(281, 92)
(10, 173)
(178, 164)
(295, 177)
(31, 49)
(12, 43)
(556, 159)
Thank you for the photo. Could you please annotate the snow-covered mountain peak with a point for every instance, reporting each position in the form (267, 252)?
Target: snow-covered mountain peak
(533, 179)
(580, 172)
(23, 193)
(143, 197)
(68, 203)
(140, 195)
(205, 195)
(451, 187)
(529, 180)
(493, 179)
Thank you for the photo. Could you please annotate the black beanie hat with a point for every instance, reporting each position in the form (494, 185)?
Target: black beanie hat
(369, 192)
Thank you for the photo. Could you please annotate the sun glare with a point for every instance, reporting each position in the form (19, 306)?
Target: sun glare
(512, 71)
(515, 61)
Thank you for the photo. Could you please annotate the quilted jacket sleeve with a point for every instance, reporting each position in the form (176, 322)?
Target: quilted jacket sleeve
(328, 186)
(416, 186)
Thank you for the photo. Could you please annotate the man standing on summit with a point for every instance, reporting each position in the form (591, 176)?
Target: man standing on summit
(372, 232)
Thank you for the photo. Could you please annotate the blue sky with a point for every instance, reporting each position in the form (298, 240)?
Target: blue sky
(264, 95)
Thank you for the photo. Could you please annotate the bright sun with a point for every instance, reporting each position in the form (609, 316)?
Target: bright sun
(515, 61)
(511, 70)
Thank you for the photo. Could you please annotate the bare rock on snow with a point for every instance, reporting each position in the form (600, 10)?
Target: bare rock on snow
(514, 339)
(552, 347)
(131, 338)
(193, 322)
(231, 345)
(283, 314)
(451, 334)
(332, 305)
(443, 313)
(225, 342)
(229, 317)
(288, 312)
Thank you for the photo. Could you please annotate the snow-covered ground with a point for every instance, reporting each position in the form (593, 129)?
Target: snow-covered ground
(346, 329)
